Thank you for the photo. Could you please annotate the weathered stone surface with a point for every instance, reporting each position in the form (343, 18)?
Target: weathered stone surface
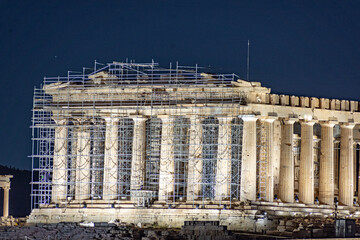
(253, 198)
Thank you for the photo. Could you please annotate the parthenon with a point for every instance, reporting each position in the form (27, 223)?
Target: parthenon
(141, 143)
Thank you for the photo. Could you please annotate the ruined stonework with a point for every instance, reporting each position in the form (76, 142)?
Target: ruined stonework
(141, 144)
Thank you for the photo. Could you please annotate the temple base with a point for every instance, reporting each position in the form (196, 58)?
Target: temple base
(256, 217)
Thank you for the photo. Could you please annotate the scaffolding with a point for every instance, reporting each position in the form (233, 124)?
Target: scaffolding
(70, 128)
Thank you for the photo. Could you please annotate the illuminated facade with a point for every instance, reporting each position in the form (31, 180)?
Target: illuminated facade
(140, 143)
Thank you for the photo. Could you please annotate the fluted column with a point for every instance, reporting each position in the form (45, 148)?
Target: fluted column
(306, 179)
(6, 201)
(223, 164)
(287, 177)
(195, 164)
(346, 181)
(111, 162)
(269, 128)
(358, 173)
(248, 165)
(326, 182)
(138, 153)
(354, 167)
(167, 164)
(59, 176)
(276, 155)
(82, 186)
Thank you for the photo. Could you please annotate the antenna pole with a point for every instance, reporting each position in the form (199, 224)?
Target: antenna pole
(248, 61)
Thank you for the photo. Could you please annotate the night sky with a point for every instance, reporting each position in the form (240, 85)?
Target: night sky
(305, 48)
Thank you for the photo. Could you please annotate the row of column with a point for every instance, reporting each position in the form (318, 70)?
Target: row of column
(83, 148)
(195, 163)
(167, 163)
(223, 163)
(326, 179)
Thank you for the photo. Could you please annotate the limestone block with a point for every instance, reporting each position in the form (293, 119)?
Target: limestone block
(342, 105)
(304, 102)
(315, 103)
(266, 98)
(274, 99)
(333, 104)
(252, 97)
(294, 101)
(337, 104)
(284, 100)
(354, 106)
(324, 103)
(261, 98)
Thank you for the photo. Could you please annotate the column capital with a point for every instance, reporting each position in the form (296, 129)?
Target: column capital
(196, 117)
(307, 122)
(60, 121)
(82, 125)
(81, 121)
(348, 125)
(268, 119)
(289, 120)
(166, 118)
(225, 118)
(329, 123)
(138, 118)
(248, 118)
(6, 187)
(112, 119)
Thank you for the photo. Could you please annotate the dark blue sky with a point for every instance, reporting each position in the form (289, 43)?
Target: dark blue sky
(306, 48)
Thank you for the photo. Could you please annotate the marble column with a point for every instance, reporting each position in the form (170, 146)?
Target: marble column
(248, 165)
(223, 164)
(276, 155)
(59, 176)
(167, 161)
(6, 201)
(269, 128)
(287, 175)
(346, 181)
(306, 179)
(195, 164)
(138, 154)
(354, 167)
(82, 186)
(358, 173)
(111, 161)
(326, 181)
